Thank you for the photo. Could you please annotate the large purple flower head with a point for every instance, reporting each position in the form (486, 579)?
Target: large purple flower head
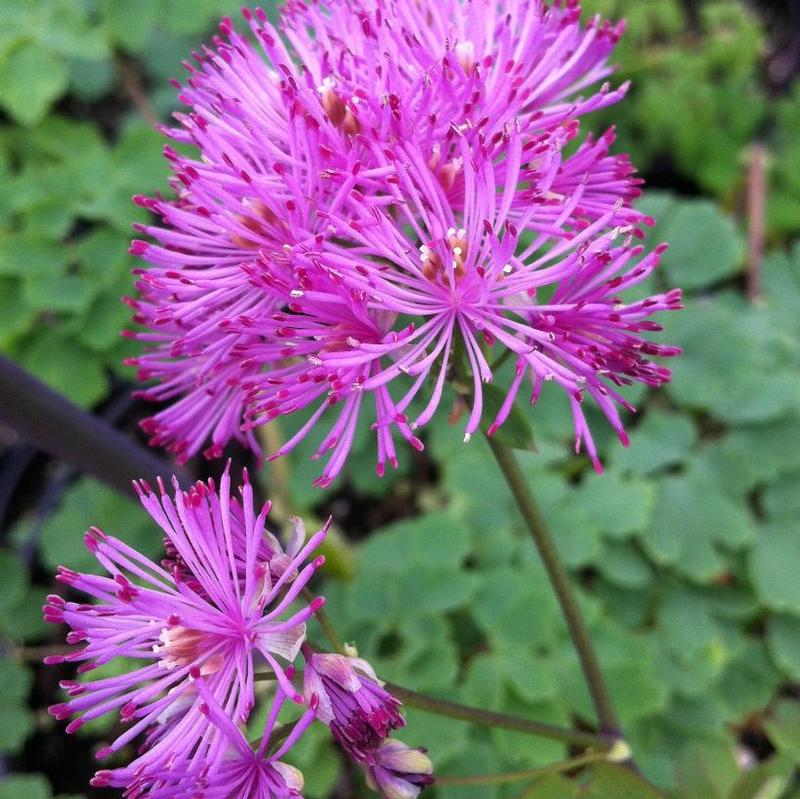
(351, 701)
(384, 202)
(224, 604)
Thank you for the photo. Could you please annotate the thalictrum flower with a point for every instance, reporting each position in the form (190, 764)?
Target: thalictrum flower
(224, 604)
(352, 702)
(293, 135)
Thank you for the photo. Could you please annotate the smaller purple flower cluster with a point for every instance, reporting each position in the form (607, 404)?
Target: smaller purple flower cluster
(361, 714)
(190, 633)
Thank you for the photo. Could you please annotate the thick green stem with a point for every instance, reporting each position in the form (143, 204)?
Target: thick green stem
(527, 774)
(488, 718)
(537, 527)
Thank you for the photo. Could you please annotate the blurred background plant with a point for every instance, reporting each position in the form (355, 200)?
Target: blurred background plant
(686, 550)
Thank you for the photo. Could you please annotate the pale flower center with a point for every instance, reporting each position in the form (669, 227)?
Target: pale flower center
(432, 266)
(181, 646)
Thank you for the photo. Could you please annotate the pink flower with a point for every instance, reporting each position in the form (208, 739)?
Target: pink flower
(358, 710)
(224, 604)
(321, 317)
(292, 138)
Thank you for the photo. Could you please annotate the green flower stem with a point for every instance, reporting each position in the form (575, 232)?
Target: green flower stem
(537, 527)
(489, 718)
(326, 624)
(527, 774)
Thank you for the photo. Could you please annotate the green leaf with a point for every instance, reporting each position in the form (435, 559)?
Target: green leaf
(783, 727)
(553, 786)
(685, 625)
(15, 316)
(13, 578)
(23, 621)
(729, 348)
(469, 481)
(783, 642)
(30, 80)
(533, 678)
(705, 245)
(636, 689)
(609, 781)
(18, 724)
(776, 550)
(59, 293)
(30, 255)
(619, 506)
(622, 564)
(25, 786)
(15, 681)
(439, 539)
(18, 721)
(691, 522)
(749, 681)
(432, 590)
(443, 737)
(782, 497)
(706, 769)
(66, 366)
(767, 780)
(777, 443)
(525, 751)
(90, 79)
(662, 439)
(476, 757)
(90, 503)
(509, 602)
(129, 24)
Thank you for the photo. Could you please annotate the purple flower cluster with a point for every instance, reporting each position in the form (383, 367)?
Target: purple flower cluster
(223, 602)
(388, 195)
(196, 626)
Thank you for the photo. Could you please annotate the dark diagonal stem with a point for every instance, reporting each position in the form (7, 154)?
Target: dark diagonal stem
(559, 578)
(52, 423)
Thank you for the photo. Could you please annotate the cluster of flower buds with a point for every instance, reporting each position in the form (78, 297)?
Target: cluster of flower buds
(388, 195)
(223, 603)
(361, 714)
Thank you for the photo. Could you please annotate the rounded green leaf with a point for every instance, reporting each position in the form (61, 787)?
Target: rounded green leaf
(31, 78)
(773, 565)
(704, 244)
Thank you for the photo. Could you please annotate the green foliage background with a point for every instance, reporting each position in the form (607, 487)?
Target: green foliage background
(686, 550)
